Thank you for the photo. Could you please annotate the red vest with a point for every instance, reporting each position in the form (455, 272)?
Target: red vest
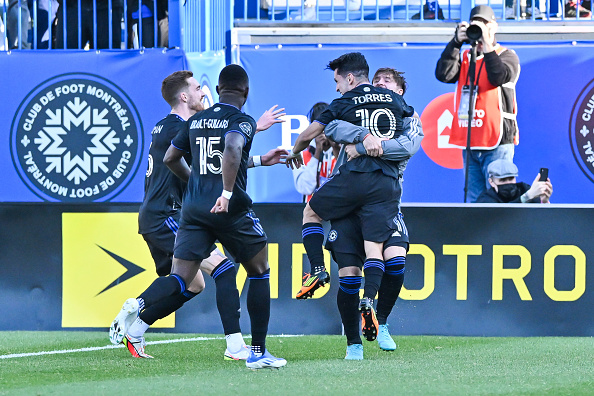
(487, 123)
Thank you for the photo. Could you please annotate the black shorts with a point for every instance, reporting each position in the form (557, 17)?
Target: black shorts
(161, 243)
(373, 196)
(244, 240)
(345, 237)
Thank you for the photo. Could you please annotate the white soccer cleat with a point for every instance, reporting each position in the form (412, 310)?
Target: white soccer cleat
(265, 361)
(242, 354)
(120, 325)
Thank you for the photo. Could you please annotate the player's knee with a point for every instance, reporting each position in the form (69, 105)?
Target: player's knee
(197, 284)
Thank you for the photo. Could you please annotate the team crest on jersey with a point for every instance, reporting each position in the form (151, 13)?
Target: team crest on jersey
(366, 89)
(246, 127)
(76, 138)
(581, 130)
(332, 235)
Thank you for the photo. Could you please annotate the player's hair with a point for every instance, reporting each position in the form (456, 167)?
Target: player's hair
(233, 78)
(353, 62)
(316, 110)
(173, 84)
(396, 75)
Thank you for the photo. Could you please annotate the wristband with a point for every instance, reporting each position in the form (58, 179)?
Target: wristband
(257, 160)
(226, 194)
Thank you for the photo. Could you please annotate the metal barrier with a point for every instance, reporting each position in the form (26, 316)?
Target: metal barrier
(205, 24)
(333, 11)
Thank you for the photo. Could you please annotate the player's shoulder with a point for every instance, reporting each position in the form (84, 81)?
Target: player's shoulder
(244, 123)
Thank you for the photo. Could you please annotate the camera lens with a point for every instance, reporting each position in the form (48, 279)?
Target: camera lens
(474, 32)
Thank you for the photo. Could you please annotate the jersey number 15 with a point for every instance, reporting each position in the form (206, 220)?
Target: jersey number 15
(207, 151)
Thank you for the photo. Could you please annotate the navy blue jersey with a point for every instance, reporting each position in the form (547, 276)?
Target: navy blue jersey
(379, 110)
(204, 138)
(163, 191)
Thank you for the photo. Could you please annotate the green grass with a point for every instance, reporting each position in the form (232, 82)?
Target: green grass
(420, 366)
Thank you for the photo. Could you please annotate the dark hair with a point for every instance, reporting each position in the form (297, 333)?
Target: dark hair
(353, 62)
(173, 84)
(396, 75)
(233, 78)
(316, 110)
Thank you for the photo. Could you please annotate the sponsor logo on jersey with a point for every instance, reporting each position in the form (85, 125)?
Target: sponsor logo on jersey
(76, 138)
(437, 121)
(581, 130)
(246, 128)
(332, 235)
(117, 265)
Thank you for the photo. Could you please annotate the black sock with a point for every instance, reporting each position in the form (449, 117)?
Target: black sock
(347, 300)
(373, 270)
(390, 288)
(258, 305)
(224, 276)
(313, 239)
(162, 288)
(166, 306)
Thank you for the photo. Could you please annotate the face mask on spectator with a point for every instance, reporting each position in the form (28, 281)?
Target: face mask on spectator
(507, 192)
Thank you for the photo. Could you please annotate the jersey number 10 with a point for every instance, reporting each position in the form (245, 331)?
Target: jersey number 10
(370, 122)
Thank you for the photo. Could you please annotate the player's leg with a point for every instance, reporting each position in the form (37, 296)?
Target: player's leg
(224, 274)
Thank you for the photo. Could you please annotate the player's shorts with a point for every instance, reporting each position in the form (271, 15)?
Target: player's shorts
(245, 239)
(374, 196)
(345, 238)
(161, 243)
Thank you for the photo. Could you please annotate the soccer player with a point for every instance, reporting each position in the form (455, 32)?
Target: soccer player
(158, 224)
(216, 205)
(345, 238)
(376, 198)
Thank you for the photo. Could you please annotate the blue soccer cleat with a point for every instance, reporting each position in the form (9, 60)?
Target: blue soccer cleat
(384, 339)
(354, 352)
(265, 361)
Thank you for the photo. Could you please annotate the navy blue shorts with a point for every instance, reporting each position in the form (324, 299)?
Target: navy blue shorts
(243, 239)
(161, 243)
(345, 238)
(373, 197)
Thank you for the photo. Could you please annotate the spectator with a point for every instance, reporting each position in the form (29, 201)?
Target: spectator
(318, 162)
(505, 188)
(494, 127)
(18, 9)
(573, 6)
(429, 11)
(511, 8)
(148, 23)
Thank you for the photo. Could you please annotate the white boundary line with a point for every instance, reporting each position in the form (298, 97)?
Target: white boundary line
(90, 349)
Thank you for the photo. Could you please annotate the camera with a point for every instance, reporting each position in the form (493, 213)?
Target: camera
(474, 32)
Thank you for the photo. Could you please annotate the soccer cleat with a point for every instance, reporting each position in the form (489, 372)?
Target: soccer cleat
(120, 325)
(384, 339)
(136, 346)
(354, 352)
(265, 361)
(311, 283)
(369, 323)
(242, 354)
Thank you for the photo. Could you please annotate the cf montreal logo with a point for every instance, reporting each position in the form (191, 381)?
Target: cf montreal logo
(332, 235)
(76, 138)
(581, 130)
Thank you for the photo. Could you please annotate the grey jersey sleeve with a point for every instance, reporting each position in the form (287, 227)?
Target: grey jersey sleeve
(344, 132)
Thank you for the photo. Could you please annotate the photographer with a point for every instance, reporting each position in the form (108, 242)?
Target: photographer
(506, 189)
(494, 129)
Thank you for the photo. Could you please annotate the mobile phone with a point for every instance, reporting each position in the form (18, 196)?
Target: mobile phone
(544, 174)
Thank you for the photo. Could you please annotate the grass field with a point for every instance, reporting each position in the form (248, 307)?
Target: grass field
(420, 366)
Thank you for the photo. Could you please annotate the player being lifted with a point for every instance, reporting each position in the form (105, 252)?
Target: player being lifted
(366, 185)
(158, 223)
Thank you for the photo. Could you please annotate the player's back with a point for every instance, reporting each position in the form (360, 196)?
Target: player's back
(205, 134)
(163, 191)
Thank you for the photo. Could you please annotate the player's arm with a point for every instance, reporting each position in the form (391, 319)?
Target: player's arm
(269, 118)
(273, 157)
(234, 142)
(311, 132)
(175, 161)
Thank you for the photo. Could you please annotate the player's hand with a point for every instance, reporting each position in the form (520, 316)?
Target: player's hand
(373, 146)
(270, 117)
(294, 161)
(274, 156)
(221, 206)
(461, 32)
(351, 151)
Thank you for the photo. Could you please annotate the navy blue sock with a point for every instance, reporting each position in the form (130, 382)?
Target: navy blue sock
(390, 287)
(165, 307)
(373, 270)
(162, 288)
(347, 300)
(225, 276)
(258, 305)
(313, 239)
